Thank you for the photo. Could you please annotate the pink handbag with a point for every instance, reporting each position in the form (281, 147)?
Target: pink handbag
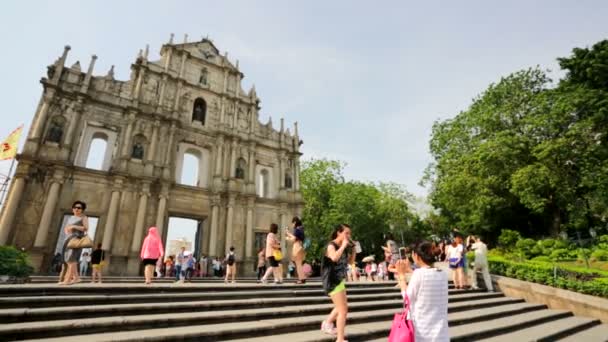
(402, 329)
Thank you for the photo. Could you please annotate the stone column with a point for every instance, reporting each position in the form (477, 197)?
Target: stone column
(87, 79)
(162, 208)
(140, 220)
(153, 142)
(218, 157)
(222, 112)
(297, 173)
(76, 111)
(229, 224)
(40, 117)
(281, 170)
(138, 85)
(108, 232)
(168, 153)
(233, 158)
(214, 227)
(126, 141)
(249, 232)
(10, 208)
(49, 209)
(205, 236)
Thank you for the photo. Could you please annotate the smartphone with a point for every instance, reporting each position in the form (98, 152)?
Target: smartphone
(403, 253)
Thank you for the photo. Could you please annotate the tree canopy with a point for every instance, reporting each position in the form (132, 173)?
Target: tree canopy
(528, 154)
(372, 210)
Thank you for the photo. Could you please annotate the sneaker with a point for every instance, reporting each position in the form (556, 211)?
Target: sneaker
(328, 328)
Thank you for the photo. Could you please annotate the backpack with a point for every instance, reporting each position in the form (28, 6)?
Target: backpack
(230, 260)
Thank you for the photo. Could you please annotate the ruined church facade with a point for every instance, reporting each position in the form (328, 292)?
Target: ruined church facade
(188, 102)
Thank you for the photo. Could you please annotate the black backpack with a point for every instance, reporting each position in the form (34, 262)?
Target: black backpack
(230, 260)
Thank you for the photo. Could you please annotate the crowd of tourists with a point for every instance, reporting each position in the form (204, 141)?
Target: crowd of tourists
(423, 286)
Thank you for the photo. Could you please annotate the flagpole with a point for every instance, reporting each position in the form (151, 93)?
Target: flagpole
(4, 186)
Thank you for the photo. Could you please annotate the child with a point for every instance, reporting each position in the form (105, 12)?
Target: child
(382, 271)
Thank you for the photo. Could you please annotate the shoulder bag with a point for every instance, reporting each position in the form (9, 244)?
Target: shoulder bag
(402, 329)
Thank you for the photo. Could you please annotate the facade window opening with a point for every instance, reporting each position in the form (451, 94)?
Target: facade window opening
(199, 111)
(288, 180)
(190, 170)
(264, 183)
(97, 152)
(55, 132)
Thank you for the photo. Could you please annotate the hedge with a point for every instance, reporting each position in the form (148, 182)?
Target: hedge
(576, 279)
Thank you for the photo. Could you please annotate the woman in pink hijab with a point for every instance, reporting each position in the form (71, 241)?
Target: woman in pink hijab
(151, 251)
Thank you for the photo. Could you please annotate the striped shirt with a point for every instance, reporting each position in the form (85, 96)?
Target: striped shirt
(428, 293)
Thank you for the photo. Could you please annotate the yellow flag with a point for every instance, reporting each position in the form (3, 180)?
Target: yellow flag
(8, 148)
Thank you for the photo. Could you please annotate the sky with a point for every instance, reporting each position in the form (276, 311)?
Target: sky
(365, 80)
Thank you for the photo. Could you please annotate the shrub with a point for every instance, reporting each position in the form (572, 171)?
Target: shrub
(13, 262)
(542, 258)
(600, 255)
(571, 278)
(560, 254)
(527, 248)
(508, 238)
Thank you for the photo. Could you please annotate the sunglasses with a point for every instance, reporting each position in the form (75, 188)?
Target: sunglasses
(79, 208)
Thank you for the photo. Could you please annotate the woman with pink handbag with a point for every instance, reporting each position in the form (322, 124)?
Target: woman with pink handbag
(425, 314)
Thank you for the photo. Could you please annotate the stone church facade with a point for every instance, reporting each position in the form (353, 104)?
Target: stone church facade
(189, 102)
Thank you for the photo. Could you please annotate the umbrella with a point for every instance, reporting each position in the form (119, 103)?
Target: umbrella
(369, 258)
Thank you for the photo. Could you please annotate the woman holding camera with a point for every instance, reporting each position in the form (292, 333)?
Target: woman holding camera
(427, 293)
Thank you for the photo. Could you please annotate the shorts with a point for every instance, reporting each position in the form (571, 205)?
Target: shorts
(150, 262)
(341, 287)
(273, 262)
(96, 266)
(455, 266)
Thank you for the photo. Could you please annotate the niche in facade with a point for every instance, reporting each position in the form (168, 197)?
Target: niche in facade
(199, 111)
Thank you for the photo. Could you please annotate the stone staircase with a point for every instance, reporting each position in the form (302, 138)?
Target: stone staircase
(209, 310)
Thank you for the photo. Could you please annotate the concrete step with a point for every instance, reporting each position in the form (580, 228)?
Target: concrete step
(103, 324)
(84, 311)
(597, 333)
(87, 288)
(229, 330)
(499, 326)
(379, 330)
(549, 331)
(74, 300)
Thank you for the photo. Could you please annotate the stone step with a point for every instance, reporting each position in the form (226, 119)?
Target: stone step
(226, 331)
(377, 331)
(87, 288)
(549, 331)
(84, 311)
(103, 324)
(596, 333)
(495, 327)
(73, 300)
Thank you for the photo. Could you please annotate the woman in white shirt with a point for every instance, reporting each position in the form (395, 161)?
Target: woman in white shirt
(455, 256)
(427, 292)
